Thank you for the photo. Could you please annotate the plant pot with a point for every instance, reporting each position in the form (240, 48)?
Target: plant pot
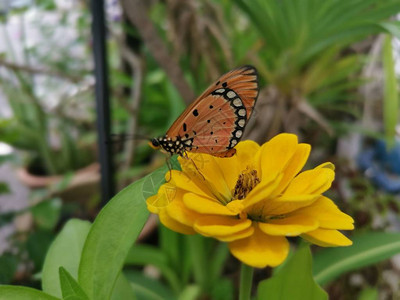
(80, 187)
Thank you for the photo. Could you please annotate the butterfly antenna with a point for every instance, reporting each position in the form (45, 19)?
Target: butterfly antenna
(122, 137)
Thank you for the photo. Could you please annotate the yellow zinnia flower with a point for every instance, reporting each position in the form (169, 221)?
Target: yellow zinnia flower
(253, 200)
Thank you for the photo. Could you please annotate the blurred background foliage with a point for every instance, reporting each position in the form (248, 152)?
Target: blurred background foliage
(328, 72)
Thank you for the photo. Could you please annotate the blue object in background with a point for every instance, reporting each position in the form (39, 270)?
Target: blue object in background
(382, 166)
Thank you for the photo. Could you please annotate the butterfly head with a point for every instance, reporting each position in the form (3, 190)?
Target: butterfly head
(155, 143)
(168, 145)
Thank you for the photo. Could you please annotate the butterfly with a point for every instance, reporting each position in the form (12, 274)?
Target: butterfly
(215, 122)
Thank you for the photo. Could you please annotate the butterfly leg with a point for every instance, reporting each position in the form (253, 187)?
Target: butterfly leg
(168, 162)
(197, 169)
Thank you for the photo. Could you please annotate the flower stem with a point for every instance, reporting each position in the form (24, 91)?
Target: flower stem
(246, 280)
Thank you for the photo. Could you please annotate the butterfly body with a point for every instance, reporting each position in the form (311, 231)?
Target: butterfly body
(215, 122)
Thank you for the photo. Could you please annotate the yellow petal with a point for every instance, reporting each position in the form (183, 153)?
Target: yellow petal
(289, 226)
(314, 181)
(154, 208)
(236, 207)
(327, 165)
(208, 174)
(285, 205)
(220, 225)
(327, 238)
(275, 154)
(215, 176)
(262, 191)
(165, 195)
(178, 211)
(190, 183)
(294, 166)
(245, 151)
(327, 214)
(170, 223)
(236, 236)
(244, 157)
(205, 205)
(260, 250)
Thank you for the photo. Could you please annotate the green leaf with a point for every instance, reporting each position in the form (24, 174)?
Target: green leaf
(368, 294)
(147, 288)
(392, 27)
(146, 254)
(64, 252)
(366, 250)
(222, 289)
(390, 100)
(219, 257)
(37, 245)
(191, 292)
(112, 235)
(12, 292)
(123, 289)
(8, 266)
(47, 213)
(142, 255)
(69, 287)
(4, 188)
(293, 280)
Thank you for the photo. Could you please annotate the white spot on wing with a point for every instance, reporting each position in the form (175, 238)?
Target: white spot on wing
(231, 94)
(242, 112)
(220, 91)
(241, 122)
(238, 133)
(237, 102)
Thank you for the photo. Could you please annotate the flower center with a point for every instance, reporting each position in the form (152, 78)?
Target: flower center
(246, 182)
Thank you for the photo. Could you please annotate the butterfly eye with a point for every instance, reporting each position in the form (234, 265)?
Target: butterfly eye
(154, 143)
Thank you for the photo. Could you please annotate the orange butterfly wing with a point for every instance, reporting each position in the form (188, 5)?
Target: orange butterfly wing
(214, 123)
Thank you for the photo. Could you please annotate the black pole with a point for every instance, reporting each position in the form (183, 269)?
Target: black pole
(102, 99)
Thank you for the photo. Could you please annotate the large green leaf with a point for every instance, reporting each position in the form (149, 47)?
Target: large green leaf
(65, 251)
(366, 250)
(112, 235)
(12, 292)
(293, 280)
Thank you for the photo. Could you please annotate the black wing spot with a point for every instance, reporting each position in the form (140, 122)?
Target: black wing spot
(211, 107)
(224, 85)
(217, 82)
(216, 141)
(208, 121)
(224, 123)
(195, 113)
(212, 132)
(186, 135)
(184, 127)
(194, 132)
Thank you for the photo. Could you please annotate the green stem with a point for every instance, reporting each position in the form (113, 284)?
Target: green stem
(199, 261)
(246, 280)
